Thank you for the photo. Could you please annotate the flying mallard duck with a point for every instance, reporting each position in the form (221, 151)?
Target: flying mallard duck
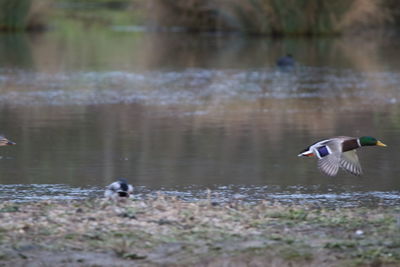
(118, 189)
(339, 152)
(5, 142)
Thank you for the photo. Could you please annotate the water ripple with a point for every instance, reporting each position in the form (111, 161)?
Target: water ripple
(329, 197)
(194, 86)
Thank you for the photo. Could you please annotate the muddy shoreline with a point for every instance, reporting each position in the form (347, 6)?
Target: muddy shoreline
(167, 231)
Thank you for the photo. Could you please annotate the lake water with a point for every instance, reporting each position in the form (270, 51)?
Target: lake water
(182, 113)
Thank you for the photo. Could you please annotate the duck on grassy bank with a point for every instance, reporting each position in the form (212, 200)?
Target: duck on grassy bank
(118, 190)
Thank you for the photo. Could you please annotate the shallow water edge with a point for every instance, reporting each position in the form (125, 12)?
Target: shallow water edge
(291, 195)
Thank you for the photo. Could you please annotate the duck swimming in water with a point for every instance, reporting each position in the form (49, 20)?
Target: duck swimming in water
(340, 152)
(286, 62)
(118, 189)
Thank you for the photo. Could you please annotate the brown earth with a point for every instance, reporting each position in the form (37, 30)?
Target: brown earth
(170, 232)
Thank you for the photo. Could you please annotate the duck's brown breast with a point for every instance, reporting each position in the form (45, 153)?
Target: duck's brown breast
(350, 145)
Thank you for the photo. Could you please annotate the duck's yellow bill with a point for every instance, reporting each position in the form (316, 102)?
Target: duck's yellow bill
(379, 143)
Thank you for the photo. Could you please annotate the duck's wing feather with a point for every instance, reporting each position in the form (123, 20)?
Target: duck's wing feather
(349, 161)
(329, 164)
(115, 186)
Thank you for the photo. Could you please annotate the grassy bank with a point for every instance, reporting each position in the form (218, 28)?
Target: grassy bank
(165, 230)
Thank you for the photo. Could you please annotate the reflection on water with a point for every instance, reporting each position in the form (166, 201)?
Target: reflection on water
(200, 87)
(34, 192)
(180, 114)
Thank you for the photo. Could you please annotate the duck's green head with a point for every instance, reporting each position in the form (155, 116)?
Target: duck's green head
(370, 141)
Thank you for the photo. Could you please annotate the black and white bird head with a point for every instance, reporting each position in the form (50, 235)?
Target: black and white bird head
(118, 189)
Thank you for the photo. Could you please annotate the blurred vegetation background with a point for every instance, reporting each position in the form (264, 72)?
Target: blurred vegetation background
(265, 17)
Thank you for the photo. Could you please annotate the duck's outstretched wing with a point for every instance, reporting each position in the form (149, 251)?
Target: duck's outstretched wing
(329, 164)
(349, 162)
(346, 160)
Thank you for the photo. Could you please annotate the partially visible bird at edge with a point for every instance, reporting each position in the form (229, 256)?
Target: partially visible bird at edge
(339, 152)
(5, 142)
(118, 190)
